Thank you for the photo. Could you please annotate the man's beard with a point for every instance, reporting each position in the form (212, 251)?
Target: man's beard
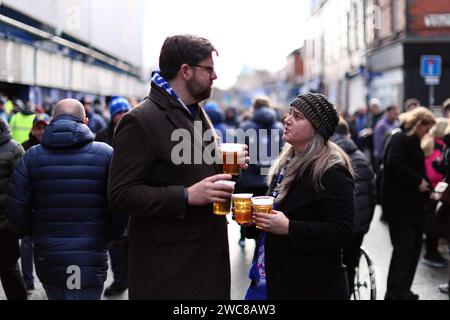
(198, 92)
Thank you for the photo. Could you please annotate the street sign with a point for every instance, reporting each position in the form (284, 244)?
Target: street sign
(430, 66)
(432, 81)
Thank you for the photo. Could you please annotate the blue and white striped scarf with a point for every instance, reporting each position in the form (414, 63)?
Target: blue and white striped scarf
(257, 273)
(159, 81)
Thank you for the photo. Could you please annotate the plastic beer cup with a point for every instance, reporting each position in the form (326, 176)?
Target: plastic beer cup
(242, 204)
(262, 205)
(223, 208)
(231, 154)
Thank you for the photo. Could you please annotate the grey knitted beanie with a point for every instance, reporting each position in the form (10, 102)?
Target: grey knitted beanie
(319, 111)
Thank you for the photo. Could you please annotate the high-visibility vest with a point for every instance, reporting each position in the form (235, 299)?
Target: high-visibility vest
(21, 125)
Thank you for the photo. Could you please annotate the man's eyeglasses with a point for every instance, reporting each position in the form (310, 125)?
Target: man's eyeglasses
(207, 68)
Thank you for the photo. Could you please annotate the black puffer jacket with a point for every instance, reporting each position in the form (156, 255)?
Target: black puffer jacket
(10, 154)
(365, 189)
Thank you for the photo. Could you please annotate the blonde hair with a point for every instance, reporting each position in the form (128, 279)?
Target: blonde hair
(440, 127)
(412, 119)
(427, 145)
(319, 155)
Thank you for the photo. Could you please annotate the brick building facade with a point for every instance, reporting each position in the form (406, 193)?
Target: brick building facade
(361, 49)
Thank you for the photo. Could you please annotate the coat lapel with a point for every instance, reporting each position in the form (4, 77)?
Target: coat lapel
(208, 125)
(180, 118)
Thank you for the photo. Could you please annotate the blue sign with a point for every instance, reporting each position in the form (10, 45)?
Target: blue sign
(430, 66)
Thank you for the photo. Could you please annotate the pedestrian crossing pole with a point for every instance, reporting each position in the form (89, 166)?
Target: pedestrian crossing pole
(430, 69)
(431, 95)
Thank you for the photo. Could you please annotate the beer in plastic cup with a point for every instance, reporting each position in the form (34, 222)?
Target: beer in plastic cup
(262, 205)
(242, 203)
(230, 156)
(223, 208)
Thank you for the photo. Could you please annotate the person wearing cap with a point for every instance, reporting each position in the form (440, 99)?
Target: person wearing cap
(117, 109)
(299, 251)
(40, 122)
(118, 252)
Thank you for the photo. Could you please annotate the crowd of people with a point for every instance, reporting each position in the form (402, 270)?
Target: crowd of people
(73, 188)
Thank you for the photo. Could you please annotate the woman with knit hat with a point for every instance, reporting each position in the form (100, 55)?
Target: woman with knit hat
(299, 251)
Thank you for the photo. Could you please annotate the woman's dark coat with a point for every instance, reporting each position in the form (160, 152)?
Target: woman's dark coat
(404, 170)
(307, 264)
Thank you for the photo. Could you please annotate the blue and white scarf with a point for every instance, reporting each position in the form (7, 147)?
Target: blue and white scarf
(257, 273)
(160, 82)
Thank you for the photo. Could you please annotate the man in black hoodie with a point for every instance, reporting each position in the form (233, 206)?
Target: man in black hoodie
(365, 199)
(10, 154)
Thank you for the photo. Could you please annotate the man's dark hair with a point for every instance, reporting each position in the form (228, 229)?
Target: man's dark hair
(391, 107)
(261, 102)
(342, 127)
(183, 49)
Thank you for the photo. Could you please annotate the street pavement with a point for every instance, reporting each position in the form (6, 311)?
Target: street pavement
(376, 242)
(426, 281)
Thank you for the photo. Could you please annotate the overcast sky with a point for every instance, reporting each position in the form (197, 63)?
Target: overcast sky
(257, 33)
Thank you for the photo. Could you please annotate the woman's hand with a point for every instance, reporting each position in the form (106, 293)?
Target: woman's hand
(275, 223)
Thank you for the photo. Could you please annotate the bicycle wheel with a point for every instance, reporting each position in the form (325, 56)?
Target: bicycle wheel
(365, 284)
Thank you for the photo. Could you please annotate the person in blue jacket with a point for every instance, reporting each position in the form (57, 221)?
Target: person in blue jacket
(57, 196)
